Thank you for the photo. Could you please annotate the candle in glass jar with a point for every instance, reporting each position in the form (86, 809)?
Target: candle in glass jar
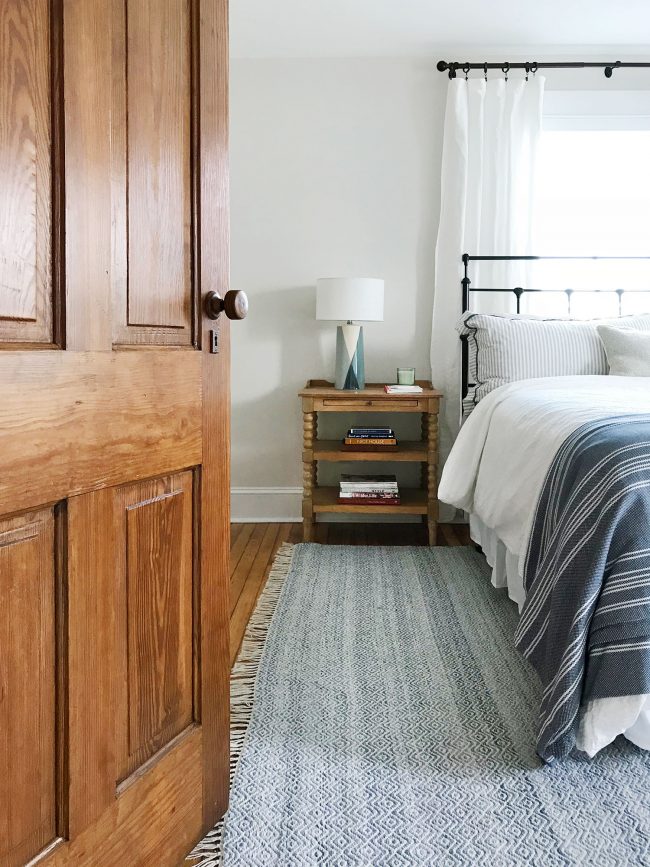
(406, 376)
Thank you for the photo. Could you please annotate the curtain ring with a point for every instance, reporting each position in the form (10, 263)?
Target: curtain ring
(533, 68)
(485, 70)
(527, 68)
(505, 69)
(466, 71)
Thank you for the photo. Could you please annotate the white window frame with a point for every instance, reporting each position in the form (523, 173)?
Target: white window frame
(596, 110)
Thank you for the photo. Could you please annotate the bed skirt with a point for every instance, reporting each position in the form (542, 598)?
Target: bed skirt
(506, 569)
(602, 719)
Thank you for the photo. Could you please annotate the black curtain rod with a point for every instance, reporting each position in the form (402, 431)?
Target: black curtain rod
(467, 258)
(452, 67)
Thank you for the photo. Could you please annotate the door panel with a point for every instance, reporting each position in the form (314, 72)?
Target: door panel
(114, 427)
(27, 686)
(153, 297)
(150, 824)
(25, 173)
(155, 620)
(72, 422)
(85, 181)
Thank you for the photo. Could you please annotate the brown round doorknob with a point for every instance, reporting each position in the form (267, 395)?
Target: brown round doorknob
(234, 304)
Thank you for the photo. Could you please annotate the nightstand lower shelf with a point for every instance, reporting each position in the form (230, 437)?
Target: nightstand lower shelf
(413, 502)
(330, 450)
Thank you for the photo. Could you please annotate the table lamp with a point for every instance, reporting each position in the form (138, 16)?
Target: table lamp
(348, 299)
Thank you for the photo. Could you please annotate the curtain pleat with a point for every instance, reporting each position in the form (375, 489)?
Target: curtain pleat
(491, 136)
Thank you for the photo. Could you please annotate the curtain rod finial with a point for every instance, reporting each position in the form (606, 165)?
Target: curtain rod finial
(441, 66)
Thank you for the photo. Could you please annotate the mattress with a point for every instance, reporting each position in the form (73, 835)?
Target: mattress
(495, 473)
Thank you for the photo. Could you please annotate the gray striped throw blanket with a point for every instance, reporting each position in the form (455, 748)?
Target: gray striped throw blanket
(585, 625)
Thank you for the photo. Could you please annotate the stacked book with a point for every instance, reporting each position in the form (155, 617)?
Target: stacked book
(403, 389)
(369, 490)
(370, 439)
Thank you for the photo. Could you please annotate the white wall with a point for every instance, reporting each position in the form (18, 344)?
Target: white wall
(334, 171)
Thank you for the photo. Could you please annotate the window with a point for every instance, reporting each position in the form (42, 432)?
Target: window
(593, 199)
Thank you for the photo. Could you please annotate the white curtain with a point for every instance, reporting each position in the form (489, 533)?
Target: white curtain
(491, 136)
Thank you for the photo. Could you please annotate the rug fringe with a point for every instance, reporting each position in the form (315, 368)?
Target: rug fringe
(208, 852)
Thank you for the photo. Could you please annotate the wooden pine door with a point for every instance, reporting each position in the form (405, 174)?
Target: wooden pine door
(114, 429)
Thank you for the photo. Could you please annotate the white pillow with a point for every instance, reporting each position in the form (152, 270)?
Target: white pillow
(628, 352)
(512, 347)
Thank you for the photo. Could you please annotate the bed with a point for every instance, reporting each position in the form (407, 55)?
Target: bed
(554, 473)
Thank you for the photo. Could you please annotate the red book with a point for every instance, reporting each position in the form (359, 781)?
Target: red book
(345, 447)
(384, 442)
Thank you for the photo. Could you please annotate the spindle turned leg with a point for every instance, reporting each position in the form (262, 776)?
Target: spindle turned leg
(431, 421)
(308, 475)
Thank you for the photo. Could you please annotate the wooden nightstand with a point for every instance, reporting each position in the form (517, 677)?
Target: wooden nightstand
(320, 396)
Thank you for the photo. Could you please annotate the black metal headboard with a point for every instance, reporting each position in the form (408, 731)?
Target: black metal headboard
(519, 291)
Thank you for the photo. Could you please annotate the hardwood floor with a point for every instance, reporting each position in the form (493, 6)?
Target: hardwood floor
(253, 547)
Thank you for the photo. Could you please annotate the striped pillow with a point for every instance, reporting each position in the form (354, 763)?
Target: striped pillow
(508, 348)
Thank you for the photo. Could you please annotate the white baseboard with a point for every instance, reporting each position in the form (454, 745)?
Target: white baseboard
(265, 505)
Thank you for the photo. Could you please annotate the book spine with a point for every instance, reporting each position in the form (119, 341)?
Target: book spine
(370, 441)
(370, 435)
(363, 431)
(371, 432)
(375, 494)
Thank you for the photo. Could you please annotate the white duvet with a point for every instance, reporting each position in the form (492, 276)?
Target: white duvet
(497, 466)
(496, 470)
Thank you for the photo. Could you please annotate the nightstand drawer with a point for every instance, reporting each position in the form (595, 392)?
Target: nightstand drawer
(356, 404)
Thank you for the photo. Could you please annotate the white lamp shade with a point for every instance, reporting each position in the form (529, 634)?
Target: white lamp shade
(359, 299)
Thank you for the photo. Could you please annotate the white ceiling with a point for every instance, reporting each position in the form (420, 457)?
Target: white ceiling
(405, 28)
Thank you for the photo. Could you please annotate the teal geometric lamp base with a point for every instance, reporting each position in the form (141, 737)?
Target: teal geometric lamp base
(350, 371)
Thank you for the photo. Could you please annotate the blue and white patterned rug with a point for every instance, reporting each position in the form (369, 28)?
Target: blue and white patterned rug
(394, 723)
